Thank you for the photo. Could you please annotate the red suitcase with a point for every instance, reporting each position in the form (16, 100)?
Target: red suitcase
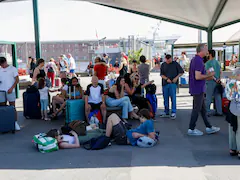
(58, 82)
(225, 104)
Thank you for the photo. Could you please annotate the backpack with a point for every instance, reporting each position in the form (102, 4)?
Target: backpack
(145, 142)
(78, 126)
(45, 144)
(152, 98)
(151, 89)
(97, 143)
(50, 70)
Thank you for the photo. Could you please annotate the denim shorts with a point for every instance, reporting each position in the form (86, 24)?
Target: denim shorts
(44, 104)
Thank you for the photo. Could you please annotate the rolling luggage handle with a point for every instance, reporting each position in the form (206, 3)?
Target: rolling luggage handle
(74, 93)
(3, 99)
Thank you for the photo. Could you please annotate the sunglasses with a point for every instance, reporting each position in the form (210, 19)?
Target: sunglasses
(136, 79)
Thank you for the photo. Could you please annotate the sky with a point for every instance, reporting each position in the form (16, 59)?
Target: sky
(71, 20)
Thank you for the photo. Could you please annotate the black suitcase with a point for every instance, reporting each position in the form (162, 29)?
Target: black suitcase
(31, 105)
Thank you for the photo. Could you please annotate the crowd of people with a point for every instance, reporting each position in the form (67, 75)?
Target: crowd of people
(127, 92)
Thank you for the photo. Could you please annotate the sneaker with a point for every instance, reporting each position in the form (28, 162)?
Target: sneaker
(164, 115)
(173, 116)
(194, 132)
(212, 130)
(17, 127)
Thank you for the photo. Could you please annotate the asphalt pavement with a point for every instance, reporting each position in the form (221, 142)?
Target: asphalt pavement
(176, 157)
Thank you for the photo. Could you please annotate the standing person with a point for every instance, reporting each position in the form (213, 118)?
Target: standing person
(197, 80)
(8, 82)
(43, 91)
(182, 60)
(105, 58)
(123, 69)
(212, 85)
(143, 70)
(134, 67)
(100, 70)
(39, 72)
(72, 65)
(32, 66)
(170, 73)
(51, 70)
(62, 66)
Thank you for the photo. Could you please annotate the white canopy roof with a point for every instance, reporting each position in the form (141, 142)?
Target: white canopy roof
(200, 14)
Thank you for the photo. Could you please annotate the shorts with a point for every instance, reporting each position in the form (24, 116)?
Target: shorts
(10, 98)
(44, 104)
(95, 106)
(119, 133)
(72, 70)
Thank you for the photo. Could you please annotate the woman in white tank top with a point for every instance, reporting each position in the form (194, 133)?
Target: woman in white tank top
(65, 141)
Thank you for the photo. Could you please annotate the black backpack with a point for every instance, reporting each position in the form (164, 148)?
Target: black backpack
(97, 143)
(151, 89)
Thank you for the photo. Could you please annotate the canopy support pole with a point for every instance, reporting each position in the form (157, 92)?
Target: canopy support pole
(36, 29)
(15, 64)
(209, 39)
(239, 51)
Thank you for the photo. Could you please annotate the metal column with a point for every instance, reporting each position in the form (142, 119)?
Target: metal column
(15, 64)
(239, 51)
(36, 29)
(172, 50)
(209, 39)
(224, 57)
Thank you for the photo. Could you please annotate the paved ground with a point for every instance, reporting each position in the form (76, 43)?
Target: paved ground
(176, 157)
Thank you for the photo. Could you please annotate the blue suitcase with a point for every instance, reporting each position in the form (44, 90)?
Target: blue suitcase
(75, 110)
(7, 119)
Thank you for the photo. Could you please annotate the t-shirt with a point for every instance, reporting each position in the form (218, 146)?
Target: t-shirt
(101, 70)
(7, 77)
(145, 128)
(95, 93)
(143, 70)
(170, 70)
(196, 86)
(65, 88)
(216, 66)
(43, 93)
(72, 63)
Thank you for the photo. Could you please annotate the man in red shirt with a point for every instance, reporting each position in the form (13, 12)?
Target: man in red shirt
(100, 70)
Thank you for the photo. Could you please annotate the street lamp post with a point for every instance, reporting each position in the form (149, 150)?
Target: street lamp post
(224, 57)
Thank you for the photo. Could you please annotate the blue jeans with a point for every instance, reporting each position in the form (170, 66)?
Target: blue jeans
(44, 104)
(169, 90)
(123, 102)
(210, 92)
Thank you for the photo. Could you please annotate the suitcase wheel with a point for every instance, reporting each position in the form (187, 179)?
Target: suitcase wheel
(13, 131)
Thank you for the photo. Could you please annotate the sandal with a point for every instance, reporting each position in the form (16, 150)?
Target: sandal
(234, 153)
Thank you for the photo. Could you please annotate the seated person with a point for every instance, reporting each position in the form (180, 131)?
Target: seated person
(95, 99)
(78, 94)
(65, 141)
(116, 128)
(116, 98)
(134, 89)
(60, 98)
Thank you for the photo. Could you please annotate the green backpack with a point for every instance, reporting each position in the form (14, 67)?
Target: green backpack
(45, 144)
